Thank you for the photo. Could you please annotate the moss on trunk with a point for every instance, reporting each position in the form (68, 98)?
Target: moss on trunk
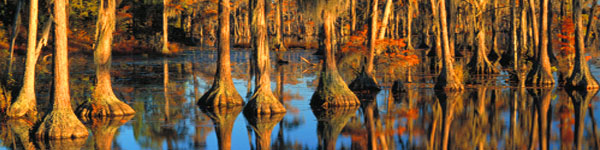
(223, 119)
(332, 90)
(222, 92)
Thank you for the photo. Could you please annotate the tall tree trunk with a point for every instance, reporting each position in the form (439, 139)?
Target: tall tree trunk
(104, 102)
(581, 78)
(386, 18)
(222, 92)
(26, 100)
(13, 37)
(534, 21)
(541, 75)
(480, 64)
(61, 122)
(331, 90)
(280, 45)
(165, 26)
(263, 101)
(447, 80)
(591, 19)
(409, 18)
(438, 37)
(353, 15)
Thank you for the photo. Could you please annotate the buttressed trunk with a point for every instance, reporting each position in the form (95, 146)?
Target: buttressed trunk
(61, 122)
(366, 79)
(332, 90)
(581, 77)
(104, 102)
(480, 64)
(263, 101)
(447, 80)
(222, 92)
(541, 75)
(26, 100)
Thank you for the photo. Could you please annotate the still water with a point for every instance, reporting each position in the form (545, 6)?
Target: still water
(163, 92)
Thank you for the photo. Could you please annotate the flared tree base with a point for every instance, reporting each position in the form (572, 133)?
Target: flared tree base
(221, 96)
(539, 78)
(61, 124)
(482, 67)
(264, 103)
(364, 82)
(104, 106)
(447, 81)
(581, 79)
(24, 106)
(333, 92)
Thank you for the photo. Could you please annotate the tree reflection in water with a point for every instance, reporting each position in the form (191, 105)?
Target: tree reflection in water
(223, 119)
(104, 129)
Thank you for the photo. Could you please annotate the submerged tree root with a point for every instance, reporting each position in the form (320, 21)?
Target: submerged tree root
(364, 82)
(61, 124)
(264, 103)
(333, 92)
(221, 96)
(104, 106)
(482, 67)
(25, 105)
(448, 81)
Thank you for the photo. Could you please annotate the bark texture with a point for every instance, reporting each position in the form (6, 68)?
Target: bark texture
(263, 101)
(222, 92)
(104, 102)
(447, 80)
(580, 78)
(332, 90)
(541, 73)
(26, 100)
(61, 122)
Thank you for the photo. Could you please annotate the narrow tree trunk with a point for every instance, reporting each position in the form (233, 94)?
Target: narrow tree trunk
(331, 90)
(222, 92)
(591, 19)
(541, 75)
(366, 79)
(165, 26)
(386, 18)
(438, 37)
(280, 45)
(353, 15)
(13, 37)
(581, 77)
(263, 101)
(409, 18)
(535, 27)
(61, 122)
(447, 80)
(104, 102)
(26, 101)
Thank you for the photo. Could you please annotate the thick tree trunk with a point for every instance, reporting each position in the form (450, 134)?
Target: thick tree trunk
(332, 90)
(480, 64)
(447, 80)
(26, 101)
(263, 101)
(104, 102)
(581, 78)
(541, 75)
(165, 27)
(61, 122)
(222, 92)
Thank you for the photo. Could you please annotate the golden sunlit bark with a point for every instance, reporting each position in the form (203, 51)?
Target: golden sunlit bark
(541, 73)
(580, 77)
(447, 80)
(61, 122)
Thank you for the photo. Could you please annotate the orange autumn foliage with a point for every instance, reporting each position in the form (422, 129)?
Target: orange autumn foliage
(393, 50)
(566, 38)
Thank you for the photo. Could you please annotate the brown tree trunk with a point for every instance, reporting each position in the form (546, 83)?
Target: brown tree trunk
(263, 101)
(581, 78)
(590, 22)
(353, 15)
(332, 90)
(279, 44)
(222, 92)
(13, 37)
(409, 18)
(61, 122)
(26, 100)
(104, 102)
(447, 80)
(165, 27)
(541, 75)
(480, 64)
(366, 79)
(386, 17)
(438, 37)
